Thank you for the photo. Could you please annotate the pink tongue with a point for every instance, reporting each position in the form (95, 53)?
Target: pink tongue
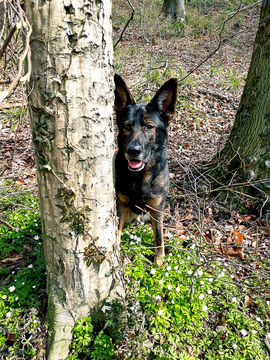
(134, 164)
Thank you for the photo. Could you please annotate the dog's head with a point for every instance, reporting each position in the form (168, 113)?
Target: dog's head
(143, 127)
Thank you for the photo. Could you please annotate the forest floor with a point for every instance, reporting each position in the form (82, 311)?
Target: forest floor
(207, 103)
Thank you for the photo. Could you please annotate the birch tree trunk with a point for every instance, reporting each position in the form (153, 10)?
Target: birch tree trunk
(71, 101)
(246, 154)
(175, 9)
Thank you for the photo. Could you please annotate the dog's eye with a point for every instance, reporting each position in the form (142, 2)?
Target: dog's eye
(149, 127)
(128, 127)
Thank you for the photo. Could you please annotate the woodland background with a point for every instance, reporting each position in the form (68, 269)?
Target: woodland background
(210, 54)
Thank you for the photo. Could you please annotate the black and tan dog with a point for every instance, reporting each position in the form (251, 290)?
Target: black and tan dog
(141, 168)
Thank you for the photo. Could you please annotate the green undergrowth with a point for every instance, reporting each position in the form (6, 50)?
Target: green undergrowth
(192, 307)
(22, 274)
(188, 308)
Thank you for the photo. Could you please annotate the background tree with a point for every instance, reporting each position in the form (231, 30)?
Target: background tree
(71, 101)
(246, 154)
(175, 9)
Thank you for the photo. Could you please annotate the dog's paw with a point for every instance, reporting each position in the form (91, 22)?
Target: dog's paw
(159, 261)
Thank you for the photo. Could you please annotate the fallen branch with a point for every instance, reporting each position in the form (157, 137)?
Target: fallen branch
(12, 105)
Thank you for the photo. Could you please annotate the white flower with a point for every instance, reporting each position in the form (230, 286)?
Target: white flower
(177, 289)
(204, 308)
(153, 271)
(193, 246)
(200, 273)
(30, 266)
(160, 281)
(22, 283)
(36, 237)
(170, 254)
(258, 319)
(33, 286)
(16, 298)
(202, 282)
(158, 297)
(35, 321)
(132, 243)
(169, 287)
(188, 258)
(210, 280)
(12, 288)
(234, 346)
(160, 312)
(254, 331)
(169, 268)
(166, 274)
(234, 299)
(189, 272)
(4, 297)
(8, 315)
(176, 267)
(243, 332)
(201, 296)
(172, 301)
(209, 292)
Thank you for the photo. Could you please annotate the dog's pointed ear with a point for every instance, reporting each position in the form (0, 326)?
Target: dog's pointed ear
(165, 100)
(122, 95)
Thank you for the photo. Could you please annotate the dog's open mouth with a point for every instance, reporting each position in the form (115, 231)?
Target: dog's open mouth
(135, 165)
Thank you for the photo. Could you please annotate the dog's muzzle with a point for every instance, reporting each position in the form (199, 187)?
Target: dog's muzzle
(138, 165)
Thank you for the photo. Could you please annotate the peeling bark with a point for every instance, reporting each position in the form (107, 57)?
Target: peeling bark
(71, 103)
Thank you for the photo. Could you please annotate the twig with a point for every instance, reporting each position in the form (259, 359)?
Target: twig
(8, 225)
(17, 230)
(221, 42)
(12, 105)
(15, 142)
(131, 17)
(22, 58)
(12, 32)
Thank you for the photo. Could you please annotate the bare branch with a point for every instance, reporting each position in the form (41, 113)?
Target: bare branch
(131, 17)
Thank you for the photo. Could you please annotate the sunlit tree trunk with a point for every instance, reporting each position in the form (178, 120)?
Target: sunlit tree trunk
(175, 9)
(71, 96)
(246, 153)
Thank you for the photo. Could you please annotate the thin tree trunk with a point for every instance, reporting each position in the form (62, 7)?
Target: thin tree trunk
(71, 102)
(175, 9)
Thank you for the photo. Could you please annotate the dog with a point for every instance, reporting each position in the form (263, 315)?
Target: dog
(141, 167)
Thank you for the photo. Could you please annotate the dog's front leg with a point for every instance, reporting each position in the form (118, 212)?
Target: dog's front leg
(122, 211)
(157, 224)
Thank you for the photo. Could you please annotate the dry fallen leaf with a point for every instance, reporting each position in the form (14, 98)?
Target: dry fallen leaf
(190, 350)
(247, 300)
(238, 237)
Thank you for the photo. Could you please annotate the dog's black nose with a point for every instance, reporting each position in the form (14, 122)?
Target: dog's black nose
(134, 151)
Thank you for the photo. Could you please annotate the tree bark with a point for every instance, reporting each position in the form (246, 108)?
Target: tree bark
(246, 153)
(71, 106)
(175, 9)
